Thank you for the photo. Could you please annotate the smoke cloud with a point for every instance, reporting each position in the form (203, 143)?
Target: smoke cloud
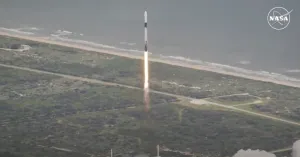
(296, 149)
(253, 153)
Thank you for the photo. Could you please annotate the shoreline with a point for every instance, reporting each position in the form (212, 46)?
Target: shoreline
(123, 54)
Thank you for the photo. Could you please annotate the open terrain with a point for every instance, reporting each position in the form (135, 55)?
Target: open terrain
(277, 99)
(58, 101)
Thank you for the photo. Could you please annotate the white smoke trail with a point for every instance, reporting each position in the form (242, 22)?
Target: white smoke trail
(296, 149)
(146, 82)
(146, 71)
(146, 99)
(146, 66)
(253, 153)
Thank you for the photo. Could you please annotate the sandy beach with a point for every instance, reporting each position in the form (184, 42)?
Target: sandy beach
(123, 54)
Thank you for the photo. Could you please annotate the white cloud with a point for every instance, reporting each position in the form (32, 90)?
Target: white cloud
(296, 149)
(253, 153)
(245, 62)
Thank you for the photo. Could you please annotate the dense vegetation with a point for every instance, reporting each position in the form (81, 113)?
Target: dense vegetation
(95, 118)
(46, 115)
(172, 79)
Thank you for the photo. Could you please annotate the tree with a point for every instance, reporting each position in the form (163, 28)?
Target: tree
(15, 46)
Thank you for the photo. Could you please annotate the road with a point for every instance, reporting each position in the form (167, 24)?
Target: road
(281, 150)
(194, 101)
(85, 79)
(249, 103)
(203, 101)
(259, 114)
(239, 94)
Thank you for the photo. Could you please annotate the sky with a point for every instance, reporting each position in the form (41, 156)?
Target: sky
(211, 30)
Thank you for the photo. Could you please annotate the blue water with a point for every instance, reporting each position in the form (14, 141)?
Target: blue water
(231, 32)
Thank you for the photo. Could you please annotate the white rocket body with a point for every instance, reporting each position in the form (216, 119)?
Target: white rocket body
(146, 63)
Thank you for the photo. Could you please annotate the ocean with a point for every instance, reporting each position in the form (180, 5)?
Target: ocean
(232, 35)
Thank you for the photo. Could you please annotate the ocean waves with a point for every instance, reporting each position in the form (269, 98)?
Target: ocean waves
(293, 71)
(70, 37)
(23, 30)
(18, 31)
(237, 70)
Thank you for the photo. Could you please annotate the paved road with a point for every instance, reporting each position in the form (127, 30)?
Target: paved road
(203, 101)
(281, 150)
(249, 103)
(223, 96)
(194, 101)
(85, 79)
(239, 94)
(259, 114)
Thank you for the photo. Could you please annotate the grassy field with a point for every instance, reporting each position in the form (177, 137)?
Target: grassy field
(232, 100)
(91, 119)
(48, 115)
(172, 79)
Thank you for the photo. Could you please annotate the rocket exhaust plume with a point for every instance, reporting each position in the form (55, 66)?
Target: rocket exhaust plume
(146, 63)
(146, 72)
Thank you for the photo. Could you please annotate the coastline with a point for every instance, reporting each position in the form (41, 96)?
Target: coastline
(122, 54)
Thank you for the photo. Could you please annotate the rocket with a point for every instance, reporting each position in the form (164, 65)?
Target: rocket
(146, 68)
